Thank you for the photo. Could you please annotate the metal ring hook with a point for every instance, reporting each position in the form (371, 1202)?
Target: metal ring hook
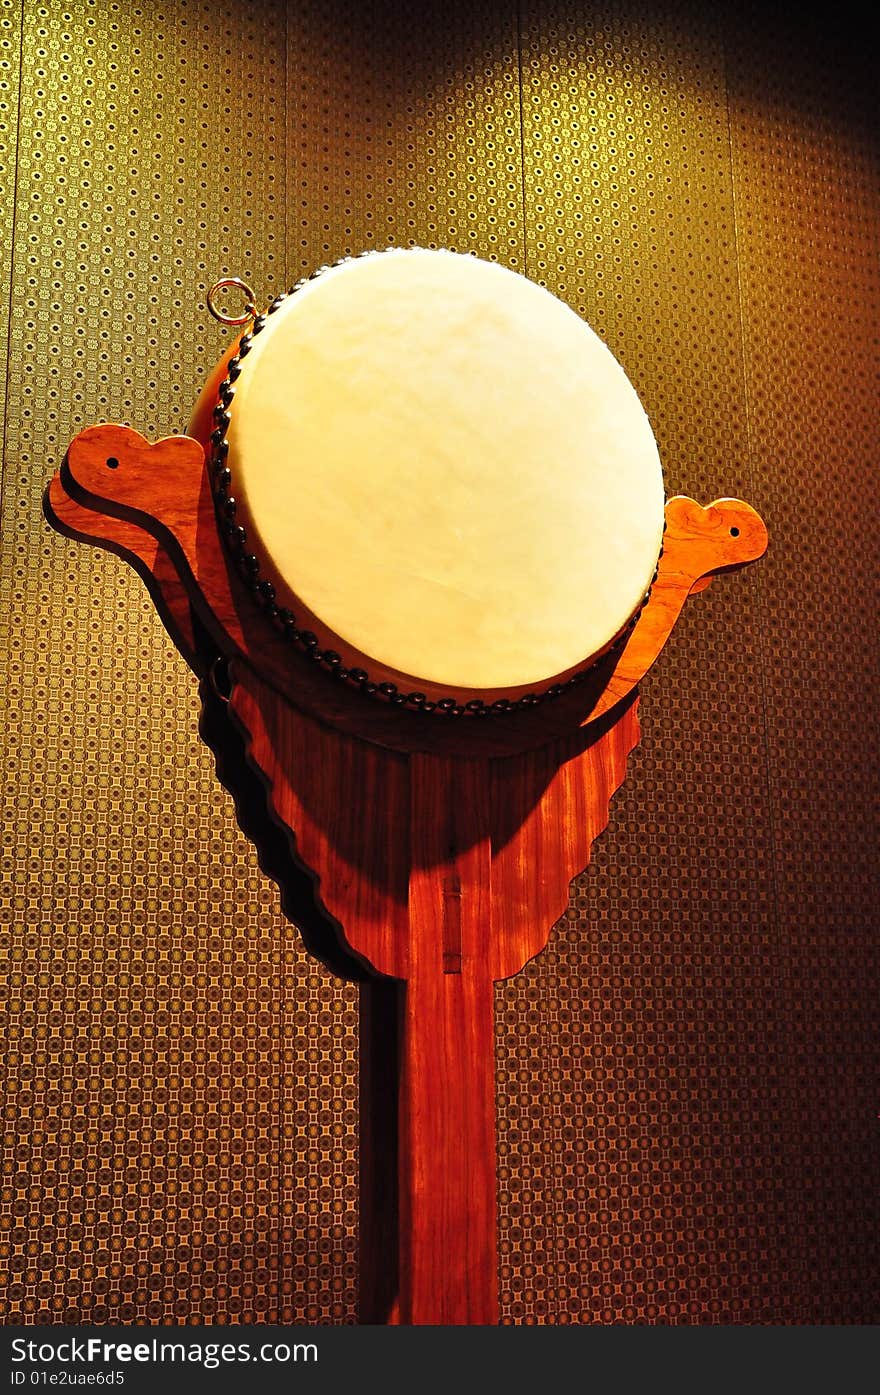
(250, 308)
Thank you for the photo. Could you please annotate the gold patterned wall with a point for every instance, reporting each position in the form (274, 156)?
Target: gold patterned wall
(687, 1077)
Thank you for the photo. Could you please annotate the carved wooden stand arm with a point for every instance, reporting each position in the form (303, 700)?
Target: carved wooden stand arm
(419, 838)
(113, 476)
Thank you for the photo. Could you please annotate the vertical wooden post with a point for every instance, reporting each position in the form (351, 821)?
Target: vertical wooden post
(448, 1246)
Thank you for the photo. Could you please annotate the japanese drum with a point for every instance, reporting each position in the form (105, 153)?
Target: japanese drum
(437, 480)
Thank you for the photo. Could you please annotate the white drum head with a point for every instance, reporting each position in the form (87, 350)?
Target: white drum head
(444, 474)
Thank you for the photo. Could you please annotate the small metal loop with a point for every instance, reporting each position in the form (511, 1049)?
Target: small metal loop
(250, 308)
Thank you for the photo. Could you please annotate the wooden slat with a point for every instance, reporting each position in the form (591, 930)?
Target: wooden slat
(347, 806)
(139, 548)
(447, 1067)
(547, 807)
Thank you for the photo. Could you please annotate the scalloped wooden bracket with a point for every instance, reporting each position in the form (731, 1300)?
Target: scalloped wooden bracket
(440, 850)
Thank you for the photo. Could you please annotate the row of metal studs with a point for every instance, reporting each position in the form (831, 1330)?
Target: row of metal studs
(249, 567)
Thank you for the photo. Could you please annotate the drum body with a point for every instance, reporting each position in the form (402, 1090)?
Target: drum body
(437, 480)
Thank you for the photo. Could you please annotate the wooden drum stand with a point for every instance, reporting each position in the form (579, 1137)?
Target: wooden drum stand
(437, 851)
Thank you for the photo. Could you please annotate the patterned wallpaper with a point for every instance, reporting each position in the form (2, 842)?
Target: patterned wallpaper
(687, 1076)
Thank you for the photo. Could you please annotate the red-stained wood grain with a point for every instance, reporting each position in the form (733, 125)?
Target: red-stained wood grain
(351, 809)
(564, 798)
(447, 1166)
(698, 544)
(163, 489)
(346, 804)
(447, 1070)
(140, 549)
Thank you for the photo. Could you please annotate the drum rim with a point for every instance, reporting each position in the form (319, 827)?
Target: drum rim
(250, 567)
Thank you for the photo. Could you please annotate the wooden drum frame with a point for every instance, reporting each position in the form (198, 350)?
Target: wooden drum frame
(424, 856)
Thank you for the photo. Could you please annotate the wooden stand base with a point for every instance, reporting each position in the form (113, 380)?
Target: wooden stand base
(450, 882)
(427, 857)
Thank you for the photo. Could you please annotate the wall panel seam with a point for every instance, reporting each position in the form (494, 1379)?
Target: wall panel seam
(750, 471)
(522, 135)
(12, 250)
(774, 920)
